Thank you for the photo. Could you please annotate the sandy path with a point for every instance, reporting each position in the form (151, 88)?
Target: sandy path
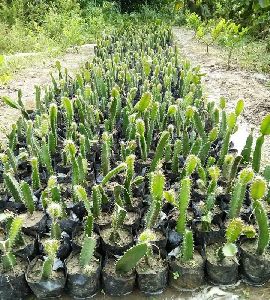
(233, 84)
(37, 74)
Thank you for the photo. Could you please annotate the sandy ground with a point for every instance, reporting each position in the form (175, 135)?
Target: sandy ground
(37, 74)
(233, 84)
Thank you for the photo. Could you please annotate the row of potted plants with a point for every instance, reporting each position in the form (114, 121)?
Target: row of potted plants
(125, 176)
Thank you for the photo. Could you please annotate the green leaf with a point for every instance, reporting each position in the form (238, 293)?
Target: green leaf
(265, 126)
(130, 259)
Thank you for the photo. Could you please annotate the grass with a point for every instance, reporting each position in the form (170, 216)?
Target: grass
(255, 56)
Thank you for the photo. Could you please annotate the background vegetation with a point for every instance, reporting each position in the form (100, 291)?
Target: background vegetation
(47, 25)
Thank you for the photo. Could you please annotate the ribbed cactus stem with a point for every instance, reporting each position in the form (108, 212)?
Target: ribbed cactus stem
(87, 252)
(28, 197)
(53, 111)
(140, 129)
(183, 203)
(162, 143)
(13, 187)
(257, 154)
(246, 152)
(262, 221)
(105, 154)
(187, 246)
(176, 155)
(96, 197)
(131, 258)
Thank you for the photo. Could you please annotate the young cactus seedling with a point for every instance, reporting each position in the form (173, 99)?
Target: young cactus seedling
(235, 228)
(35, 173)
(140, 131)
(157, 183)
(51, 247)
(258, 190)
(105, 153)
(117, 222)
(239, 192)
(187, 249)
(56, 213)
(87, 253)
(8, 259)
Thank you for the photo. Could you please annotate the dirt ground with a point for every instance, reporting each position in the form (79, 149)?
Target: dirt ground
(233, 84)
(37, 74)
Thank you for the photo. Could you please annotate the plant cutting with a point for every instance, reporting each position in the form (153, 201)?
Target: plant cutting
(47, 276)
(222, 260)
(116, 240)
(83, 270)
(187, 269)
(12, 269)
(255, 257)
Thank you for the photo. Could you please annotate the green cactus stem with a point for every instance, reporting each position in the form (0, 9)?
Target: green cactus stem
(239, 191)
(35, 173)
(157, 183)
(140, 131)
(160, 149)
(246, 152)
(262, 221)
(7, 257)
(51, 247)
(96, 198)
(105, 154)
(53, 112)
(176, 154)
(231, 122)
(187, 249)
(131, 258)
(46, 157)
(68, 106)
(55, 211)
(113, 173)
(13, 187)
(81, 194)
(89, 225)
(27, 196)
(183, 203)
(264, 130)
(87, 252)
(117, 222)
